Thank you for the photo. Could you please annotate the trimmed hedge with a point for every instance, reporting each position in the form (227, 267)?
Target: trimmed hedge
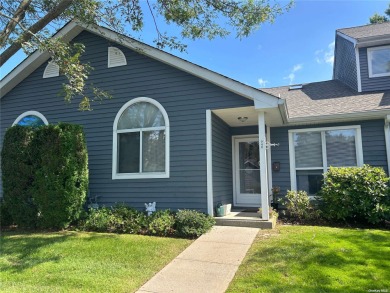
(17, 176)
(359, 195)
(60, 174)
(45, 174)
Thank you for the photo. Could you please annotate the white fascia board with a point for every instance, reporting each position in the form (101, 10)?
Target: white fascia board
(373, 41)
(266, 101)
(380, 114)
(36, 59)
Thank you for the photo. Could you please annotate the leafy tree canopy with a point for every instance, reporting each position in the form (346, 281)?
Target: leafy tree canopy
(28, 25)
(376, 18)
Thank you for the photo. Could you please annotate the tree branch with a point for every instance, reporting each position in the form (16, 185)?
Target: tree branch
(39, 25)
(13, 21)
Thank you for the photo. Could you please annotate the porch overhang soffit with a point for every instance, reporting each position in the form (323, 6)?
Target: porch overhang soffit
(263, 101)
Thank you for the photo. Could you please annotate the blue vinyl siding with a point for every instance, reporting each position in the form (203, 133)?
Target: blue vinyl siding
(373, 141)
(374, 83)
(184, 97)
(222, 162)
(345, 63)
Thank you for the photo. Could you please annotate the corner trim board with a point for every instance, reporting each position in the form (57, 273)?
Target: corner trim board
(209, 158)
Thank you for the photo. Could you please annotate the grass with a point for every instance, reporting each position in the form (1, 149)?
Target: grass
(316, 259)
(82, 262)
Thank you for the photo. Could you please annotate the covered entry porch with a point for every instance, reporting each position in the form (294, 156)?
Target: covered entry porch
(239, 171)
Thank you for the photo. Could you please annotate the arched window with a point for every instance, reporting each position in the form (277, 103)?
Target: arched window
(31, 118)
(141, 141)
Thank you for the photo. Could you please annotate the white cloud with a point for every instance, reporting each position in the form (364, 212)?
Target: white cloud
(262, 82)
(325, 56)
(291, 76)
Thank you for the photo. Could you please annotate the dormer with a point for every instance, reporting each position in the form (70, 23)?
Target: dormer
(362, 57)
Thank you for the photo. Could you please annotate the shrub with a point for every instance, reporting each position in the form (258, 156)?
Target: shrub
(161, 223)
(129, 220)
(299, 207)
(5, 216)
(356, 195)
(191, 224)
(118, 219)
(60, 174)
(17, 175)
(100, 220)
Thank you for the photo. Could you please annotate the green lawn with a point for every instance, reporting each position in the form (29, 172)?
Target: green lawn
(316, 259)
(82, 262)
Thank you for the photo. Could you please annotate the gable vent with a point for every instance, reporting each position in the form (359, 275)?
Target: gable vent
(51, 70)
(116, 57)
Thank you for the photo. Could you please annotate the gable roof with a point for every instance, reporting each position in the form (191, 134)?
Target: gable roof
(331, 99)
(367, 35)
(73, 28)
(365, 31)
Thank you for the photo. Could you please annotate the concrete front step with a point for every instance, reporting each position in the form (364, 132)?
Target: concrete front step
(245, 219)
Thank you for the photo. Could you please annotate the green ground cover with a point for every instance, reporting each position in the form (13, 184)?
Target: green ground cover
(82, 262)
(316, 259)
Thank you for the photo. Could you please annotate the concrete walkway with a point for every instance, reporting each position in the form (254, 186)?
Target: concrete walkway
(207, 265)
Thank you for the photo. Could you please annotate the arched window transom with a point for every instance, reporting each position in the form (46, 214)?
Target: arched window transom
(31, 118)
(141, 141)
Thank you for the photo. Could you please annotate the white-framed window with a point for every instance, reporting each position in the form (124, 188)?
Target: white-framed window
(314, 150)
(141, 141)
(378, 61)
(31, 118)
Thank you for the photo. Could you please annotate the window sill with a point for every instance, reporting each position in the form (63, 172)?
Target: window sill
(379, 75)
(139, 176)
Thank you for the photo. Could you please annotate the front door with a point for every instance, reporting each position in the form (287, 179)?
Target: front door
(247, 190)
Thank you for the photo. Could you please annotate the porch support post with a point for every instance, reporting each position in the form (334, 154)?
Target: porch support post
(209, 151)
(263, 167)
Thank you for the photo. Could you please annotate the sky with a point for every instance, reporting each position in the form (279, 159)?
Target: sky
(297, 48)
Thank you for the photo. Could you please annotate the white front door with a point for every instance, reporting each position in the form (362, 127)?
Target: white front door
(246, 165)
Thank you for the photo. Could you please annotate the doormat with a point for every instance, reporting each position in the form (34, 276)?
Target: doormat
(252, 210)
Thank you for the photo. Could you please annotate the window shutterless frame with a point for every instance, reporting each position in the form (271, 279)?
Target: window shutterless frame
(115, 153)
(324, 168)
(370, 52)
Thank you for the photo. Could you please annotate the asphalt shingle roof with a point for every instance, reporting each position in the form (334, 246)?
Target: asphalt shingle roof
(329, 98)
(371, 30)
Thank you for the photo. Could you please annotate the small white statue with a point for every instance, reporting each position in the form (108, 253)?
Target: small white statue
(150, 207)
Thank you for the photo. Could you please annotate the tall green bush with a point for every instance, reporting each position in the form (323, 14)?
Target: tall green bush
(60, 163)
(356, 195)
(17, 176)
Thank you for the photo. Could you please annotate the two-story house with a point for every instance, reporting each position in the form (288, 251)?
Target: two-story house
(187, 137)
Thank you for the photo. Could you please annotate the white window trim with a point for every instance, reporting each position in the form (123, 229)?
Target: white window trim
(146, 175)
(358, 145)
(30, 113)
(369, 59)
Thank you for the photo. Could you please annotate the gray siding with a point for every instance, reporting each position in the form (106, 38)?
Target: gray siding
(374, 83)
(222, 162)
(345, 63)
(373, 141)
(184, 97)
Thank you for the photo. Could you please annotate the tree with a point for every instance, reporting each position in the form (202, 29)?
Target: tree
(376, 18)
(28, 25)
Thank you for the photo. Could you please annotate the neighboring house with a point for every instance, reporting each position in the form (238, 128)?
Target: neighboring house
(186, 137)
